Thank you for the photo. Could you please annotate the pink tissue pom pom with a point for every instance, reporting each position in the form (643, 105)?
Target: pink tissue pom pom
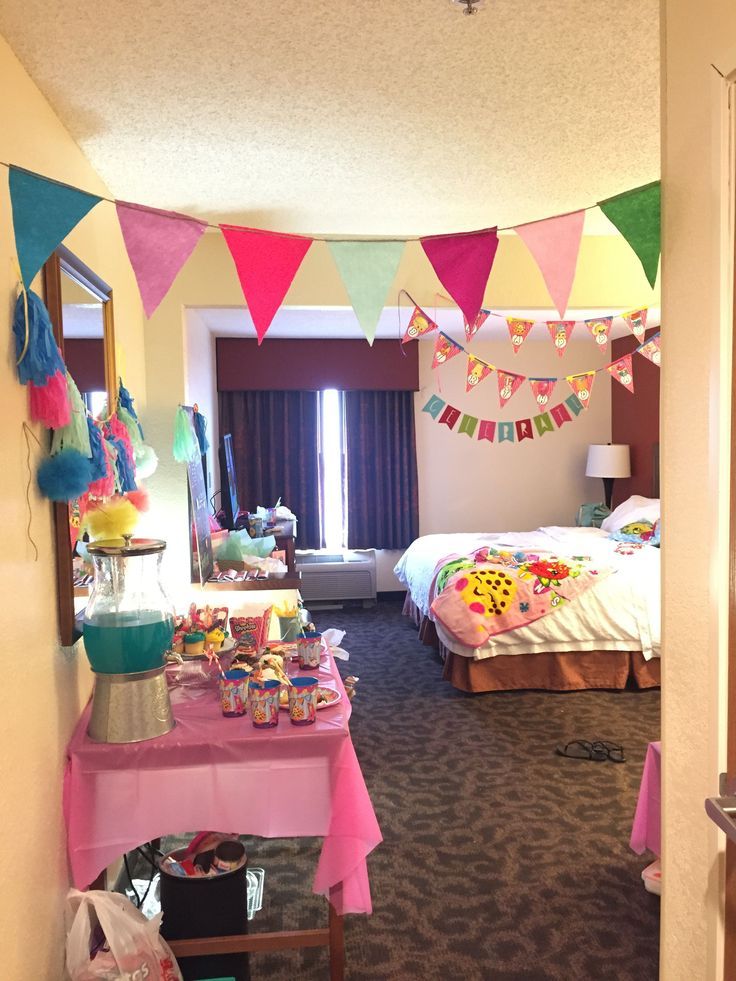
(49, 403)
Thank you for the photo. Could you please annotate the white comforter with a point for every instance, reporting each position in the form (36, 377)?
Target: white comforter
(619, 613)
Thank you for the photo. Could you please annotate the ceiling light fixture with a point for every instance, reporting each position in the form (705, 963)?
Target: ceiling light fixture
(468, 7)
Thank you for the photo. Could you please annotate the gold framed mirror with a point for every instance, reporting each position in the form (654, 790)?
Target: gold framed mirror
(80, 306)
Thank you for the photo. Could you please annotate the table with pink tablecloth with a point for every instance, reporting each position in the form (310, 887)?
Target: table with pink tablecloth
(222, 774)
(646, 831)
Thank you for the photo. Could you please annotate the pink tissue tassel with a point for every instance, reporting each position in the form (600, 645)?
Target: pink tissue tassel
(49, 403)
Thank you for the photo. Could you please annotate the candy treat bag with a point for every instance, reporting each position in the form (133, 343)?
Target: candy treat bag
(108, 939)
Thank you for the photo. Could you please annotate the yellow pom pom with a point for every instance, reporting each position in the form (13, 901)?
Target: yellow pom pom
(115, 518)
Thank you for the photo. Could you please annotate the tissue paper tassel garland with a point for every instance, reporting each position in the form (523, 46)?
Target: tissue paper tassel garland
(49, 403)
(41, 367)
(74, 436)
(103, 472)
(124, 462)
(65, 476)
(186, 446)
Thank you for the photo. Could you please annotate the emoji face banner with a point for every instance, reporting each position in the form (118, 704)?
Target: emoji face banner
(560, 331)
(622, 371)
(508, 383)
(518, 331)
(542, 389)
(477, 372)
(651, 350)
(472, 329)
(582, 386)
(444, 349)
(599, 329)
(419, 324)
(636, 321)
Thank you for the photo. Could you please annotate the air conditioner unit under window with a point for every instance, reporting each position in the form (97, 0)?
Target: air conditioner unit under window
(337, 576)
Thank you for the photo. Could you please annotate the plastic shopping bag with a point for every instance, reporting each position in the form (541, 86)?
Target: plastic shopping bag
(108, 939)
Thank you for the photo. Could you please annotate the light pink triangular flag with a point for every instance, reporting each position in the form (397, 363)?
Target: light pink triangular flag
(555, 243)
(444, 349)
(477, 372)
(599, 329)
(463, 264)
(419, 324)
(582, 385)
(636, 321)
(472, 329)
(542, 389)
(158, 244)
(560, 331)
(266, 263)
(508, 383)
(518, 330)
(622, 371)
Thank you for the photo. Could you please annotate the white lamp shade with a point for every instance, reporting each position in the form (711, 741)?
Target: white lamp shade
(608, 460)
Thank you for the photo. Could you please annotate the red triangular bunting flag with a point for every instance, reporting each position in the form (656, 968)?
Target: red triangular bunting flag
(555, 243)
(463, 264)
(419, 324)
(636, 321)
(471, 331)
(560, 331)
(518, 330)
(582, 386)
(651, 350)
(542, 389)
(508, 383)
(622, 371)
(477, 372)
(599, 329)
(266, 263)
(444, 349)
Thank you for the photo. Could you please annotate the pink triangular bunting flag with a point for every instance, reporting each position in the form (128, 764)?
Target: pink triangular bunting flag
(555, 243)
(508, 383)
(542, 389)
(600, 328)
(266, 263)
(444, 349)
(158, 244)
(463, 264)
(478, 371)
(636, 321)
(582, 386)
(622, 371)
(419, 324)
(518, 331)
(560, 332)
(651, 350)
(472, 329)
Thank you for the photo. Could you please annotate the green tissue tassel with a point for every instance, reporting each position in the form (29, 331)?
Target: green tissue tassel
(133, 428)
(75, 436)
(185, 441)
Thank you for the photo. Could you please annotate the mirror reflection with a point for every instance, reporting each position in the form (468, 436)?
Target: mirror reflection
(84, 342)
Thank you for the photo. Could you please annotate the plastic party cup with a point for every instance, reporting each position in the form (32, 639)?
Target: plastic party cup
(264, 703)
(233, 693)
(290, 628)
(303, 701)
(309, 648)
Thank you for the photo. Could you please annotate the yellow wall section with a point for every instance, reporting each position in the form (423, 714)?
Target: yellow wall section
(44, 687)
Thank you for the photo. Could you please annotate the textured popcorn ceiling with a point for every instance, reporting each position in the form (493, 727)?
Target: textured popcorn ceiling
(354, 116)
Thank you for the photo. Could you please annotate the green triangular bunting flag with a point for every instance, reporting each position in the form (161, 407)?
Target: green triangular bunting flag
(44, 213)
(367, 270)
(636, 214)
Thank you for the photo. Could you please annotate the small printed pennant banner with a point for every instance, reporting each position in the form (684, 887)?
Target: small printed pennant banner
(622, 371)
(367, 269)
(636, 321)
(599, 328)
(518, 331)
(444, 349)
(508, 384)
(555, 243)
(44, 212)
(478, 371)
(651, 350)
(463, 264)
(560, 331)
(266, 263)
(419, 324)
(636, 214)
(542, 389)
(472, 330)
(582, 386)
(158, 244)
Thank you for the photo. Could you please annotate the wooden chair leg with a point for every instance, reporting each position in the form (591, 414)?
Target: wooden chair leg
(337, 946)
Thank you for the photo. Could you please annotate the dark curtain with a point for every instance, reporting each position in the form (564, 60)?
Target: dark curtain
(275, 445)
(383, 508)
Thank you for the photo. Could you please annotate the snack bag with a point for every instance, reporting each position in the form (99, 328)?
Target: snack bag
(108, 939)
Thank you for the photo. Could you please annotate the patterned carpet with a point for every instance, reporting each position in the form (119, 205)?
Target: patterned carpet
(500, 859)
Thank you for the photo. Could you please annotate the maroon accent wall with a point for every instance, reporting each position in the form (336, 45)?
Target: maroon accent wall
(635, 419)
(310, 365)
(85, 359)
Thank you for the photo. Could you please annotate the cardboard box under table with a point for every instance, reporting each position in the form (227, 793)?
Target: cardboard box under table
(213, 772)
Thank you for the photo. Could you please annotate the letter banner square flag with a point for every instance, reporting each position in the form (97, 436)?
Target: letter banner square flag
(477, 372)
(508, 384)
(450, 416)
(518, 331)
(636, 321)
(419, 324)
(651, 350)
(444, 349)
(582, 386)
(600, 328)
(542, 389)
(560, 332)
(622, 371)
(472, 330)
(487, 430)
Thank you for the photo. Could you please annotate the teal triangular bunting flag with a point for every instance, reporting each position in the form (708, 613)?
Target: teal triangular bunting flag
(636, 214)
(367, 270)
(44, 213)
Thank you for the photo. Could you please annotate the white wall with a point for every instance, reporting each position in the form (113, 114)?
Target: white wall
(200, 386)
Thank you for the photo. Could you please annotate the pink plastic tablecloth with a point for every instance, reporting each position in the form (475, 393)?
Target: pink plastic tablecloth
(222, 774)
(646, 832)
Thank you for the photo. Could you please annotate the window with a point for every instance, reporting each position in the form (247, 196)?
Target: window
(332, 468)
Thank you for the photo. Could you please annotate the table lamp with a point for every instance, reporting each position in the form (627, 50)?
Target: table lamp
(608, 460)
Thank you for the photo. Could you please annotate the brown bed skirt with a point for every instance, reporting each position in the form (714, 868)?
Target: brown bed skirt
(550, 671)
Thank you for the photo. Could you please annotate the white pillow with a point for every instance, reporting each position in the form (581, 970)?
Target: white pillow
(636, 508)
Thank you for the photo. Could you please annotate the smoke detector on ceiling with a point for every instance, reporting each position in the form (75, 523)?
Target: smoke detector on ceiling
(468, 7)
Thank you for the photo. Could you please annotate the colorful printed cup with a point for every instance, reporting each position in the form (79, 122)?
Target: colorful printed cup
(309, 648)
(290, 628)
(233, 693)
(303, 701)
(264, 703)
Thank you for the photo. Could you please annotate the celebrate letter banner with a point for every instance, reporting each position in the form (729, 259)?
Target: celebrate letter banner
(434, 406)
(419, 324)
(599, 329)
(471, 331)
(636, 214)
(622, 371)
(505, 432)
(266, 263)
(555, 243)
(487, 430)
(524, 430)
(651, 350)
(518, 330)
(560, 332)
(508, 383)
(477, 372)
(542, 389)
(158, 245)
(44, 212)
(582, 386)
(543, 424)
(636, 321)
(367, 269)
(450, 416)
(468, 425)
(444, 349)
(463, 264)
